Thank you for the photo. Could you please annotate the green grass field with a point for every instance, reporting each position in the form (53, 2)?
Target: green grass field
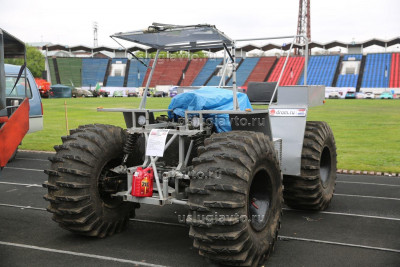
(367, 132)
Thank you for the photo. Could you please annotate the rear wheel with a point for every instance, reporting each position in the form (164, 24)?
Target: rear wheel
(315, 188)
(235, 198)
(81, 167)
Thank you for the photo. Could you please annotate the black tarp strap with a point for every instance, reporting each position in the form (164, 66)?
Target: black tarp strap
(19, 76)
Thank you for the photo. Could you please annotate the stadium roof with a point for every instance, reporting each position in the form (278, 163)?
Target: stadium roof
(247, 48)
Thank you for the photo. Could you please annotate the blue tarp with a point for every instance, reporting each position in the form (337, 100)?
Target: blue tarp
(208, 98)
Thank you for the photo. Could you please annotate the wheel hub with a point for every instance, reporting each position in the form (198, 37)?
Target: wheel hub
(259, 200)
(325, 166)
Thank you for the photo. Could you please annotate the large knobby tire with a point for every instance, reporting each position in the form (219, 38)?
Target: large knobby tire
(77, 202)
(315, 188)
(235, 199)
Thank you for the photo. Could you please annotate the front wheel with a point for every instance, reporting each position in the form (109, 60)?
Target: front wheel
(235, 198)
(77, 177)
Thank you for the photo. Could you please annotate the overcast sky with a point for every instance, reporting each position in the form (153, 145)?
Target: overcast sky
(71, 22)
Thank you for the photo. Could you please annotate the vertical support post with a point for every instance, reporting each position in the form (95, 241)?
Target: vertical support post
(306, 61)
(235, 100)
(222, 80)
(223, 73)
(2, 74)
(283, 69)
(165, 187)
(144, 98)
(160, 190)
(25, 63)
(181, 153)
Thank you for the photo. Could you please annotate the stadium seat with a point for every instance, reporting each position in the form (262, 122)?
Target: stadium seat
(261, 70)
(377, 71)
(93, 71)
(321, 70)
(206, 71)
(292, 71)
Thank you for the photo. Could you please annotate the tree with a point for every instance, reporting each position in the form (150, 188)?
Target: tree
(35, 61)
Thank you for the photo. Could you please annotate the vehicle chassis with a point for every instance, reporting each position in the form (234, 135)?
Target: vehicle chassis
(286, 132)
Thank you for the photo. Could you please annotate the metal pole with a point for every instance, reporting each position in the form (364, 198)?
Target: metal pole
(222, 80)
(283, 69)
(306, 62)
(25, 63)
(235, 100)
(144, 98)
(2, 75)
(223, 74)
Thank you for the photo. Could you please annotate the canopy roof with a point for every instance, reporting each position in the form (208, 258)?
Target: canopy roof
(176, 37)
(13, 47)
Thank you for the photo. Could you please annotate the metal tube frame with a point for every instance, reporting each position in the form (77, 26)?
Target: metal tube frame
(182, 131)
(153, 67)
(287, 57)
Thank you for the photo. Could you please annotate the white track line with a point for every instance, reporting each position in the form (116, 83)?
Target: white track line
(27, 185)
(348, 214)
(157, 222)
(183, 225)
(386, 198)
(345, 195)
(281, 237)
(337, 243)
(395, 185)
(23, 169)
(21, 207)
(93, 256)
(46, 160)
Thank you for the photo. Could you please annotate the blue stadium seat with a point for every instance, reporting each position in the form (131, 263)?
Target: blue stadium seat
(206, 71)
(137, 72)
(321, 70)
(214, 81)
(93, 71)
(245, 70)
(377, 71)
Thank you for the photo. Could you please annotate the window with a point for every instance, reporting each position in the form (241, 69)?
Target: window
(19, 90)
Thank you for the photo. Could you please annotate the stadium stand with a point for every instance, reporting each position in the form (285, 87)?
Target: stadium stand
(70, 71)
(352, 57)
(395, 71)
(93, 71)
(215, 79)
(117, 81)
(172, 73)
(53, 77)
(349, 79)
(261, 70)
(137, 72)
(193, 70)
(321, 70)
(377, 71)
(292, 71)
(207, 71)
(167, 72)
(244, 70)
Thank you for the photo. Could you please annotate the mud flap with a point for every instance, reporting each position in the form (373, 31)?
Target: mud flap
(13, 131)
